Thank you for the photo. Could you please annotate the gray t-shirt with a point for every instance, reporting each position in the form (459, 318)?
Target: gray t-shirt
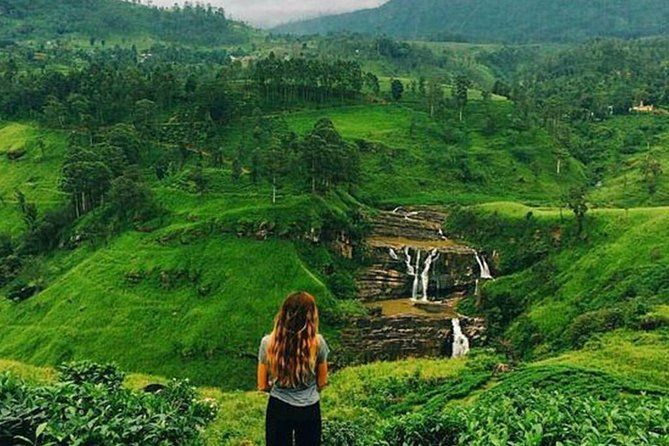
(302, 396)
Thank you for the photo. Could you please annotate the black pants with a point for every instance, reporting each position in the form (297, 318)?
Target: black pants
(287, 425)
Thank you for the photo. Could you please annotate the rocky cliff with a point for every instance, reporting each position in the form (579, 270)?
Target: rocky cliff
(376, 338)
(412, 258)
(400, 243)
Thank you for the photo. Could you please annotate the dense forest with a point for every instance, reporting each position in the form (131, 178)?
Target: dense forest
(168, 176)
(104, 20)
(508, 21)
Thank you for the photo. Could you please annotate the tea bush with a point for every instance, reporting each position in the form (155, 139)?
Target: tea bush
(86, 372)
(89, 406)
(544, 406)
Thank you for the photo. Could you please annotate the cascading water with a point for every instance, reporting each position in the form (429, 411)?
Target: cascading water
(414, 289)
(483, 265)
(393, 254)
(407, 260)
(460, 341)
(425, 275)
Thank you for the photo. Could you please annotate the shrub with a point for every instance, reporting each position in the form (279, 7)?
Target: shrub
(21, 291)
(86, 372)
(543, 406)
(342, 433)
(10, 267)
(584, 326)
(90, 409)
(433, 428)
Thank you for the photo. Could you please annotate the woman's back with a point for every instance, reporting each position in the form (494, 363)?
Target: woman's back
(292, 366)
(304, 394)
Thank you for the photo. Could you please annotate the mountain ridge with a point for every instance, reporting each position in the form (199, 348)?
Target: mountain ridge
(506, 21)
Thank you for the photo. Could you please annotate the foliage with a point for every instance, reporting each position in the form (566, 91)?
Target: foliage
(576, 201)
(341, 433)
(532, 20)
(195, 24)
(287, 81)
(87, 372)
(397, 89)
(89, 407)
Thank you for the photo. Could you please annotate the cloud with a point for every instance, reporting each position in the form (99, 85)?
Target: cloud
(272, 12)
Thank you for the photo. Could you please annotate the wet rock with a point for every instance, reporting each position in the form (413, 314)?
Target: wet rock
(376, 338)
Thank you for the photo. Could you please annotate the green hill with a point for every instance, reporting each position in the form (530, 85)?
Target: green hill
(559, 289)
(509, 21)
(43, 20)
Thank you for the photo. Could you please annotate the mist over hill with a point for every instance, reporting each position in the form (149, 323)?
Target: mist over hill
(517, 21)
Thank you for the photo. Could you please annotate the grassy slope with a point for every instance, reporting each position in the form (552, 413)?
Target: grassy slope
(35, 176)
(204, 324)
(625, 257)
(92, 311)
(421, 168)
(368, 395)
(624, 184)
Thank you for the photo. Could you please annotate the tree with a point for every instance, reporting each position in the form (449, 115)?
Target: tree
(372, 82)
(576, 201)
(651, 170)
(327, 158)
(125, 138)
(86, 178)
(28, 210)
(131, 200)
(237, 169)
(434, 95)
(199, 179)
(396, 89)
(276, 161)
(144, 117)
(421, 86)
(461, 92)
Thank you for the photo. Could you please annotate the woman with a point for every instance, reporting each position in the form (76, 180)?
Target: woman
(293, 368)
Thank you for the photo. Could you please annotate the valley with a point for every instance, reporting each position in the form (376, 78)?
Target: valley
(485, 225)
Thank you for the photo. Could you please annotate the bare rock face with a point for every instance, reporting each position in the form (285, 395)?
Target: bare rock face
(400, 242)
(411, 223)
(411, 257)
(377, 338)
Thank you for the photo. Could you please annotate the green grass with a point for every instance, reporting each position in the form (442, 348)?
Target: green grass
(624, 184)
(351, 396)
(621, 265)
(641, 356)
(36, 176)
(422, 168)
(197, 309)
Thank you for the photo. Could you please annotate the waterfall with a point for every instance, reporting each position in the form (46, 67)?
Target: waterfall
(460, 341)
(414, 290)
(485, 270)
(393, 254)
(425, 275)
(421, 277)
(407, 259)
(477, 290)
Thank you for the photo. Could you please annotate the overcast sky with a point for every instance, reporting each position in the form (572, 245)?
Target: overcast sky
(273, 12)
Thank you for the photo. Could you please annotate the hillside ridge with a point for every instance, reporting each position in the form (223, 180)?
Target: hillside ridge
(505, 21)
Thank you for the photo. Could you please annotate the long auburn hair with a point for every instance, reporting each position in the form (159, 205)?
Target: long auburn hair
(293, 344)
